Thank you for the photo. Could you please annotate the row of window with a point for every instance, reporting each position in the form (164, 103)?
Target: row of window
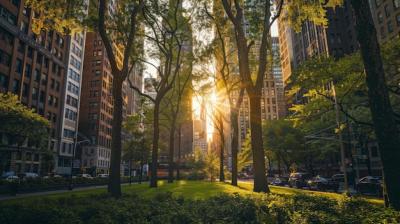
(67, 147)
(74, 75)
(52, 101)
(72, 101)
(8, 16)
(73, 88)
(76, 63)
(390, 27)
(70, 114)
(69, 133)
(77, 51)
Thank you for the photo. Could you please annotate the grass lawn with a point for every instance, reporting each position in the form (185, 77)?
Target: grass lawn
(190, 189)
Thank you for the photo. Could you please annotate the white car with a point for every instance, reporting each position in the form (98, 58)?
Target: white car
(31, 175)
(12, 178)
(85, 175)
(102, 175)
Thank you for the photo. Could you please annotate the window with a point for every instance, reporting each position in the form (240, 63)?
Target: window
(68, 133)
(390, 26)
(8, 16)
(35, 93)
(73, 88)
(6, 36)
(72, 101)
(36, 75)
(28, 70)
(5, 58)
(387, 11)
(74, 62)
(44, 79)
(21, 47)
(71, 115)
(73, 75)
(42, 96)
(3, 81)
(18, 66)
(25, 90)
(15, 86)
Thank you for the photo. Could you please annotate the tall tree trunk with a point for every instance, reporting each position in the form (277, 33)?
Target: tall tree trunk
(178, 162)
(260, 180)
(154, 152)
(235, 146)
(221, 148)
(141, 171)
(114, 185)
(386, 131)
(171, 151)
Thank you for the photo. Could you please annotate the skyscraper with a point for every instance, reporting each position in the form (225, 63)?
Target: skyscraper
(70, 109)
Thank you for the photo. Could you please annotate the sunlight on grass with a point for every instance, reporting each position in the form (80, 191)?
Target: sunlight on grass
(193, 190)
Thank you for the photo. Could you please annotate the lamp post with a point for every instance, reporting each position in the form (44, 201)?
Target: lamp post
(71, 186)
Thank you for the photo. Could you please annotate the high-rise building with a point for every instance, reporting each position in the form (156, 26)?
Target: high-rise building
(277, 74)
(269, 101)
(337, 39)
(386, 14)
(96, 106)
(34, 67)
(70, 109)
(200, 128)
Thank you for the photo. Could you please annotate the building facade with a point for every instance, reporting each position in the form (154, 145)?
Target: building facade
(33, 67)
(96, 107)
(70, 107)
(386, 14)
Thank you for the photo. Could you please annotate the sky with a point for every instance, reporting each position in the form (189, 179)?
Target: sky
(274, 29)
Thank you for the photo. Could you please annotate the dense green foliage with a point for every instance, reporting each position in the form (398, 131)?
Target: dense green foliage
(18, 122)
(164, 208)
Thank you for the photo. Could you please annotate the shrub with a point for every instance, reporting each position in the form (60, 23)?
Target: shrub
(164, 208)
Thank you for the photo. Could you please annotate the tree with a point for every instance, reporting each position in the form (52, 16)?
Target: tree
(259, 16)
(383, 117)
(169, 38)
(228, 83)
(137, 148)
(285, 141)
(17, 124)
(118, 29)
(352, 91)
(211, 165)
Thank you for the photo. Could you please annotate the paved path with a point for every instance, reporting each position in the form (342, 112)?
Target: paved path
(25, 195)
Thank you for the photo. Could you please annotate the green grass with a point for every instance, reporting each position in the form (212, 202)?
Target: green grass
(190, 189)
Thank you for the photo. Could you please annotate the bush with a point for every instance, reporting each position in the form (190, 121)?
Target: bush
(195, 175)
(164, 208)
(41, 184)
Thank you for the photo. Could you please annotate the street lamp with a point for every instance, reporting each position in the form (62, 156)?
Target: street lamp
(72, 161)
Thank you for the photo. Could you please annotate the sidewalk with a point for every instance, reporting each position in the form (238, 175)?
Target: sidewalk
(25, 195)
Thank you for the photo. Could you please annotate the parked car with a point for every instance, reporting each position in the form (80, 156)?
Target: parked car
(299, 180)
(102, 175)
(280, 181)
(12, 178)
(7, 174)
(370, 185)
(85, 175)
(339, 178)
(28, 175)
(320, 183)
